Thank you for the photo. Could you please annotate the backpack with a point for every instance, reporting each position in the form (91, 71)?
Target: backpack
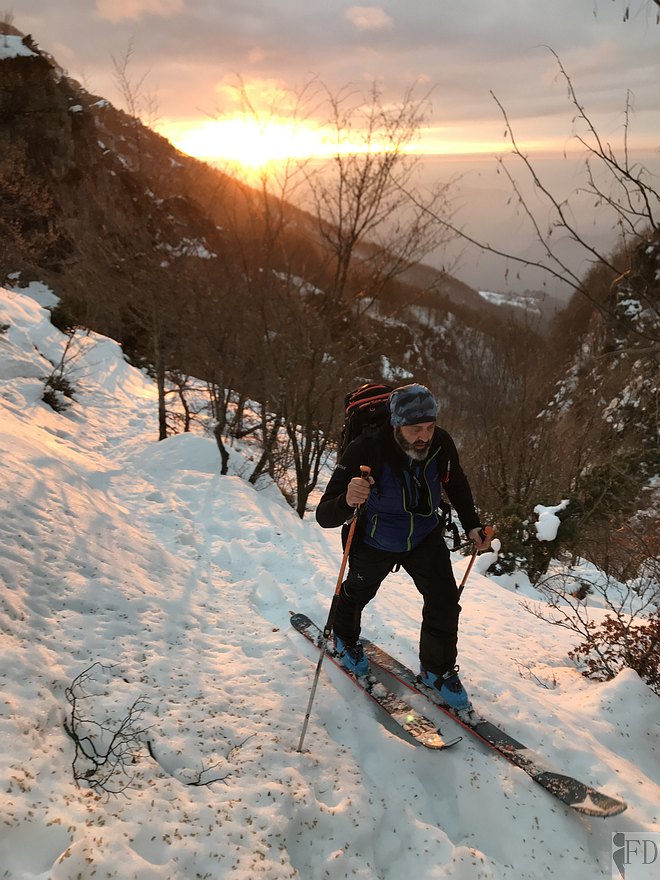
(366, 410)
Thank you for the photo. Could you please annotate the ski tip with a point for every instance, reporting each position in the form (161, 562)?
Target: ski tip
(601, 806)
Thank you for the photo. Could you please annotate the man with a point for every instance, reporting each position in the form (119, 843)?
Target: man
(411, 460)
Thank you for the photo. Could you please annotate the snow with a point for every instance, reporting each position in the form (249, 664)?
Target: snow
(548, 522)
(12, 46)
(631, 307)
(134, 560)
(393, 374)
(188, 247)
(36, 290)
(515, 301)
(305, 287)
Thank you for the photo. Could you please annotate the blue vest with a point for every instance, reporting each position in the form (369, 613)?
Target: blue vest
(402, 508)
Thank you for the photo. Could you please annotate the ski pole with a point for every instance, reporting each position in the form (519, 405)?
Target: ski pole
(364, 473)
(488, 532)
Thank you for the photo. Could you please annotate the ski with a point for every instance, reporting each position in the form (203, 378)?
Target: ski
(570, 791)
(422, 729)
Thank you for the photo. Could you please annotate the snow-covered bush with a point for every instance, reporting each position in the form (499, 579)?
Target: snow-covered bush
(530, 545)
(617, 619)
(615, 642)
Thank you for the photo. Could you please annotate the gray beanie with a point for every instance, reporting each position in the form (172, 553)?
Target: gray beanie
(412, 404)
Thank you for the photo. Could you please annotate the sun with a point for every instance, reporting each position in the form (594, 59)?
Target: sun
(248, 142)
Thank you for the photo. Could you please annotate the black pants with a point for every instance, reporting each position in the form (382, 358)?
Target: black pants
(430, 568)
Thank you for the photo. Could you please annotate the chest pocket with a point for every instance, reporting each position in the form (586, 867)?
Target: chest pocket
(414, 491)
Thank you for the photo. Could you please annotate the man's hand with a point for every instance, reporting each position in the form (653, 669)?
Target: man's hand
(358, 490)
(481, 538)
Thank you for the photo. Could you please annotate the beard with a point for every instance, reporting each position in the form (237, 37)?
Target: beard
(418, 450)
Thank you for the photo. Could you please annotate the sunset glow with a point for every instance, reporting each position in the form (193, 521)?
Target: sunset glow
(253, 144)
(263, 123)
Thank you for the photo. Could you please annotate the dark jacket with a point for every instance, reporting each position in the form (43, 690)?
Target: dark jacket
(403, 504)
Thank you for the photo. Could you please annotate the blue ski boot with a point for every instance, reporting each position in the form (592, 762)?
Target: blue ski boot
(448, 687)
(351, 657)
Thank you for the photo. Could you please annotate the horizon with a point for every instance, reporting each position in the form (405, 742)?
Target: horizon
(482, 198)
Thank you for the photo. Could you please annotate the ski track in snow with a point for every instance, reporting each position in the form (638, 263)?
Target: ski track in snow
(137, 555)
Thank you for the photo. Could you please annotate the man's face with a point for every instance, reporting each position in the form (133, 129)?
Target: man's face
(415, 440)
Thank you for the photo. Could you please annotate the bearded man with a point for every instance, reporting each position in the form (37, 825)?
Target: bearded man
(400, 525)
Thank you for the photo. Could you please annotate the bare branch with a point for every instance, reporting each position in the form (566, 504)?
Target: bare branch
(105, 754)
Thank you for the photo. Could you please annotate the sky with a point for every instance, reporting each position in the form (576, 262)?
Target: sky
(132, 564)
(194, 50)
(194, 53)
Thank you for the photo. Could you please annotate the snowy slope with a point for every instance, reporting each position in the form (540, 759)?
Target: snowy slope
(136, 555)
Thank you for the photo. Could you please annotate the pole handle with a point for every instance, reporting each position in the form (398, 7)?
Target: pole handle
(488, 532)
(365, 471)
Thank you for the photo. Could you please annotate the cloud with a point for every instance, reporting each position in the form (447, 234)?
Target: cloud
(257, 55)
(134, 10)
(465, 50)
(369, 18)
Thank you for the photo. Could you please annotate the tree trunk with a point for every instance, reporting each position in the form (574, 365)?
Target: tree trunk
(224, 455)
(160, 384)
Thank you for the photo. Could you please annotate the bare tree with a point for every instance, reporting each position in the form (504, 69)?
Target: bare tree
(369, 214)
(304, 284)
(6, 21)
(495, 398)
(188, 402)
(616, 183)
(152, 310)
(308, 369)
(629, 12)
(141, 104)
(58, 386)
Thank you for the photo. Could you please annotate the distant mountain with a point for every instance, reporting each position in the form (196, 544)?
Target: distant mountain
(532, 306)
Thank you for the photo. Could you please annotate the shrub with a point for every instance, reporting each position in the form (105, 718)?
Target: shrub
(615, 643)
(629, 633)
(521, 548)
(63, 318)
(57, 389)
